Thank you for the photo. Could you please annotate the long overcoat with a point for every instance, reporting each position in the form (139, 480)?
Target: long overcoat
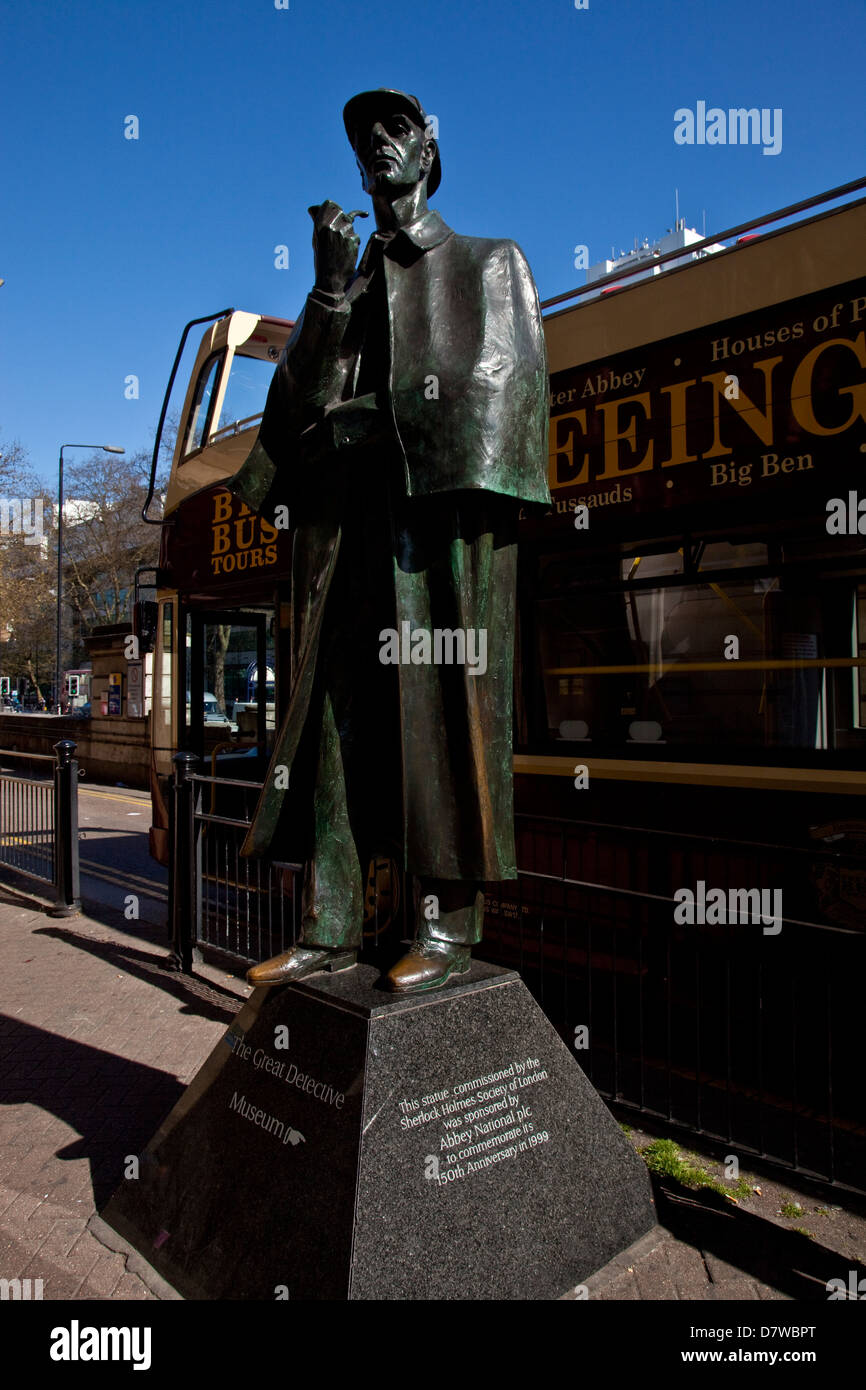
(463, 413)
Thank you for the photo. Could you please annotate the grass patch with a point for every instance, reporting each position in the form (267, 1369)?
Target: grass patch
(790, 1209)
(663, 1157)
(626, 1129)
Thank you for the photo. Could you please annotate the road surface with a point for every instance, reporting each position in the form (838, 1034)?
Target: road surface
(115, 863)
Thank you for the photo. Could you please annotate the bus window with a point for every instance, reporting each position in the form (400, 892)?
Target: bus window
(246, 391)
(727, 660)
(223, 723)
(199, 415)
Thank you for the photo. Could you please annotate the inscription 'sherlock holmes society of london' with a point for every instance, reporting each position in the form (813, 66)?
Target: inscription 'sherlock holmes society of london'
(405, 427)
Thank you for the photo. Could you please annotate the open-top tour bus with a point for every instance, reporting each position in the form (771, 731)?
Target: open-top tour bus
(690, 706)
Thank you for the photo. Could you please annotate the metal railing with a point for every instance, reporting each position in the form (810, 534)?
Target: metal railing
(749, 1038)
(223, 905)
(39, 822)
(615, 277)
(243, 909)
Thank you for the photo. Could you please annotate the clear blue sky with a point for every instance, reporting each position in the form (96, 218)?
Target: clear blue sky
(556, 128)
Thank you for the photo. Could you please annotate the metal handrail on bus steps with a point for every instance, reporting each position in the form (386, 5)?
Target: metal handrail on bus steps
(207, 318)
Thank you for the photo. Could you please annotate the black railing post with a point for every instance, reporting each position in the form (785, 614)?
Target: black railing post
(66, 876)
(183, 884)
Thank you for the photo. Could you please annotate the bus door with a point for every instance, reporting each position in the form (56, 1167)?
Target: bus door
(231, 734)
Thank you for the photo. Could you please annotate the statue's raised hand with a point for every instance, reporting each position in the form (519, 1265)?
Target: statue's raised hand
(335, 245)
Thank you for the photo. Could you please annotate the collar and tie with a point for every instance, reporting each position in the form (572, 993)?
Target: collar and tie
(374, 253)
(368, 286)
(426, 231)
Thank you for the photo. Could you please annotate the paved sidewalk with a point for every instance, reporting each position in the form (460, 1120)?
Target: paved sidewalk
(661, 1267)
(98, 1040)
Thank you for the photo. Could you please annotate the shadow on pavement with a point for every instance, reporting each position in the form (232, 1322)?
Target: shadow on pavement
(13, 896)
(194, 994)
(114, 1103)
(788, 1261)
(17, 891)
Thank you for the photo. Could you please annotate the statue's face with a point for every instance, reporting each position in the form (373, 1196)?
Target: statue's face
(393, 155)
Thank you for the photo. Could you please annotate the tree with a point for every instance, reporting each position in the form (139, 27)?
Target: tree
(221, 638)
(105, 539)
(27, 584)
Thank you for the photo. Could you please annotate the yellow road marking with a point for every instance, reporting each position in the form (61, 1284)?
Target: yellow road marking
(154, 890)
(110, 869)
(113, 796)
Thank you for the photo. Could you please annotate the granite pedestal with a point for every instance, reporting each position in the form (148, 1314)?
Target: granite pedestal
(344, 1143)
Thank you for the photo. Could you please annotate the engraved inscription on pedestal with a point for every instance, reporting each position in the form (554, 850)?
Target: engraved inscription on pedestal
(343, 1144)
(262, 1061)
(472, 1125)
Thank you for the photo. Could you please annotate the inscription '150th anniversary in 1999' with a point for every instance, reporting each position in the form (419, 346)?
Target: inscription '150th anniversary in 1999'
(485, 1121)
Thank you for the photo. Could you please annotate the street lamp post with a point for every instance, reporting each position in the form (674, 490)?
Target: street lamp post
(106, 449)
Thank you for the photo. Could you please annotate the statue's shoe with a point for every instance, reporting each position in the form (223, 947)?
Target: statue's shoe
(297, 963)
(428, 965)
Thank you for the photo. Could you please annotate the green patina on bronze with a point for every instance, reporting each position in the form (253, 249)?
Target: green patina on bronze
(405, 426)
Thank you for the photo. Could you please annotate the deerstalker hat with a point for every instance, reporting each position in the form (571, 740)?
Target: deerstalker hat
(361, 110)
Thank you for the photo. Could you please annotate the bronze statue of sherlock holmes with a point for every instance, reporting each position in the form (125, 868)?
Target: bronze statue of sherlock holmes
(405, 426)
